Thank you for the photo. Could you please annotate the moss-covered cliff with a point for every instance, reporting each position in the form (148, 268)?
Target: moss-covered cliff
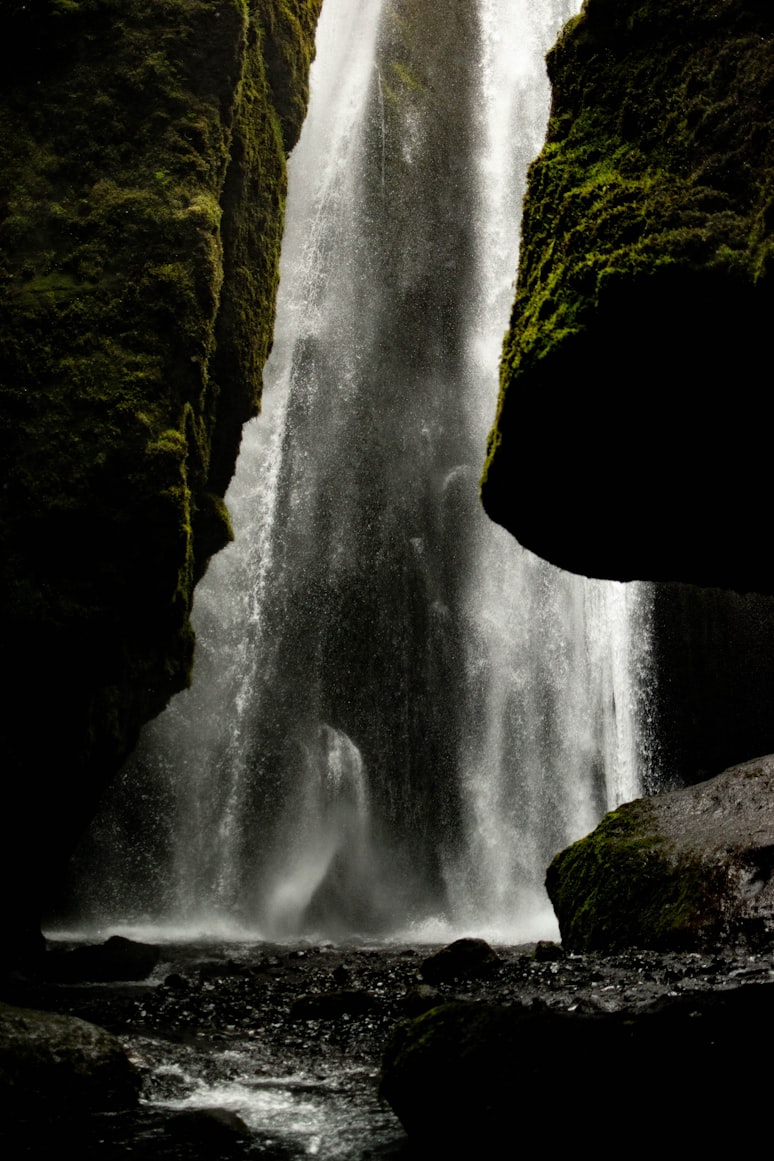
(142, 183)
(631, 438)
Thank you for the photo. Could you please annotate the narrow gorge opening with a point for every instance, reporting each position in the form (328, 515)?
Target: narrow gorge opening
(398, 715)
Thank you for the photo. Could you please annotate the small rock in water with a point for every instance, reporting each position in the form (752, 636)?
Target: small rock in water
(214, 1127)
(546, 951)
(176, 982)
(464, 957)
(453, 1074)
(52, 1062)
(341, 974)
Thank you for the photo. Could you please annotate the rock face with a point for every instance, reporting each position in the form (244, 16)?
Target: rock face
(630, 438)
(142, 154)
(52, 1064)
(681, 871)
(713, 670)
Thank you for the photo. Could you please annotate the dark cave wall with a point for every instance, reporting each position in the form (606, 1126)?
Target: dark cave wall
(713, 657)
(142, 185)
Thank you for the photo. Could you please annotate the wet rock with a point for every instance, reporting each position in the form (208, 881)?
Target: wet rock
(341, 974)
(421, 999)
(176, 982)
(463, 958)
(212, 1127)
(547, 952)
(456, 1075)
(116, 959)
(61, 1064)
(690, 869)
(193, 1039)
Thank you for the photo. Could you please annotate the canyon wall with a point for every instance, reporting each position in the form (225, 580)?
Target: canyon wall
(631, 439)
(142, 162)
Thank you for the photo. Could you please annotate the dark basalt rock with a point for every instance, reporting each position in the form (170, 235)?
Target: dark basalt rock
(689, 869)
(548, 952)
(473, 1075)
(60, 1065)
(116, 959)
(212, 1128)
(631, 439)
(463, 957)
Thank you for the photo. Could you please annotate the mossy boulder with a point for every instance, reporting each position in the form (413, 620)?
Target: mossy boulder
(684, 870)
(142, 186)
(484, 1079)
(60, 1064)
(631, 434)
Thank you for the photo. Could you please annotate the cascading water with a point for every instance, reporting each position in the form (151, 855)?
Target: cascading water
(398, 715)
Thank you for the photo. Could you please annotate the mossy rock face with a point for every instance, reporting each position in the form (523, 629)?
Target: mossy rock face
(680, 871)
(142, 163)
(629, 440)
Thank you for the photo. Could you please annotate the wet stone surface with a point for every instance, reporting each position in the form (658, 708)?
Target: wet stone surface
(289, 1040)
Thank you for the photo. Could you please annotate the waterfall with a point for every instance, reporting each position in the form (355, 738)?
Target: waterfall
(398, 715)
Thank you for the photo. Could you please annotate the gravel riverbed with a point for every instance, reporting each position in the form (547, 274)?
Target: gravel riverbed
(289, 1039)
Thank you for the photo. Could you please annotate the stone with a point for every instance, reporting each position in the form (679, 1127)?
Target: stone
(546, 951)
(688, 869)
(116, 959)
(479, 1079)
(61, 1065)
(215, 1128)
(463, 957)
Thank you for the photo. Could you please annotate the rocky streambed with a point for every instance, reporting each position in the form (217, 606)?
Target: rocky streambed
(258, 1050)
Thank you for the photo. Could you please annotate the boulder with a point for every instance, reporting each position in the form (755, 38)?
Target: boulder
(52, 1065)
(682, 870)
(116, 959)
(213, 1128)
(473, 1076)
(463, 957)
(546, 951)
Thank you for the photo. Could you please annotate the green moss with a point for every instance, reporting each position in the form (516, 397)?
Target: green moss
(621, 887)
(653, 190)
(142, 185)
